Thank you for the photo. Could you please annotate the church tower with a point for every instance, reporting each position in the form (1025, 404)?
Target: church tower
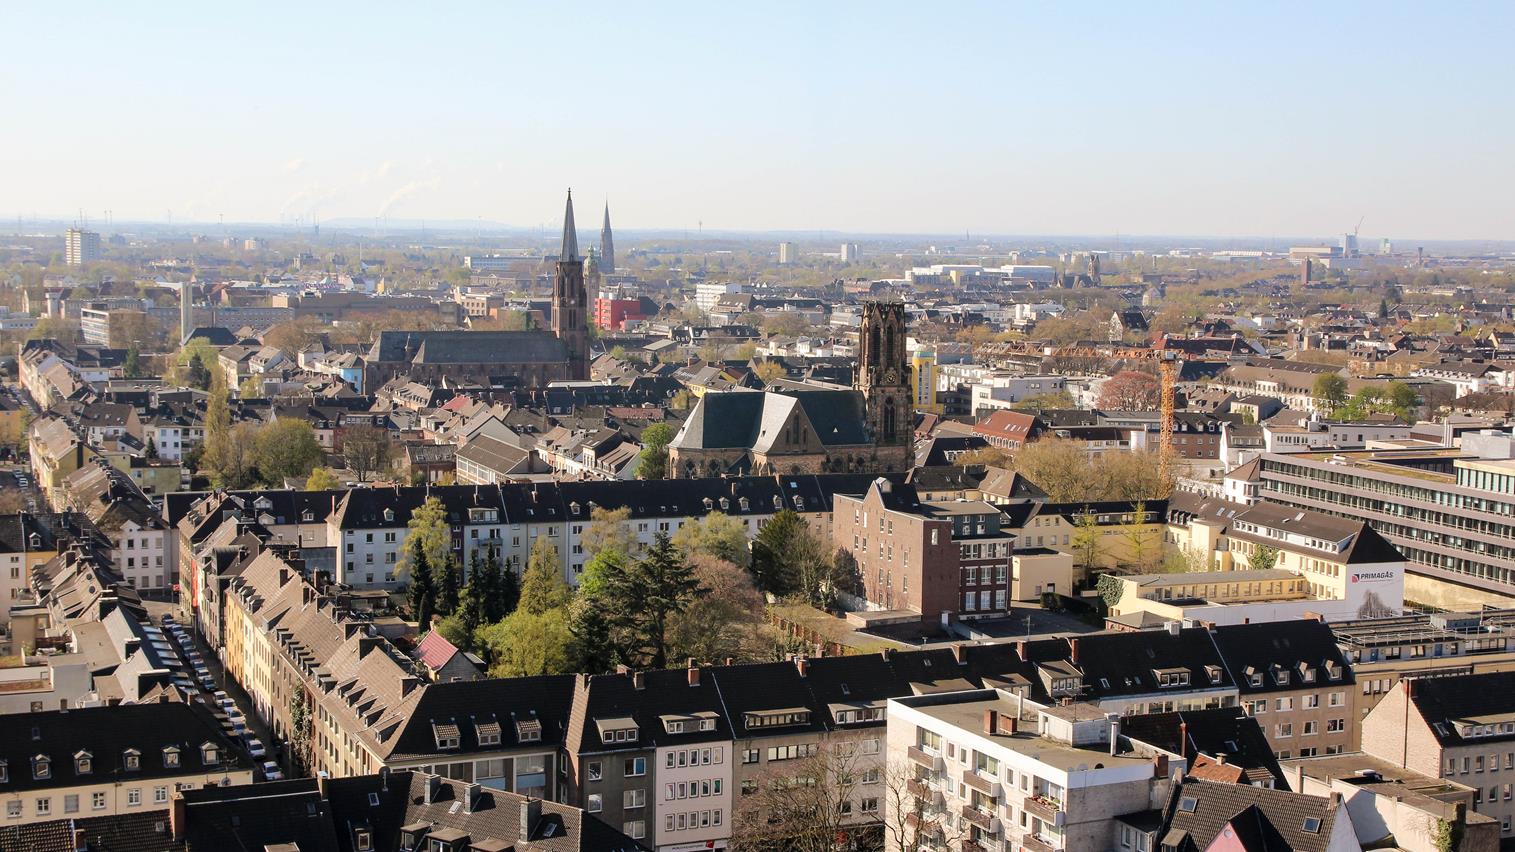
(607, 245)
(883, 373)
(570, 304)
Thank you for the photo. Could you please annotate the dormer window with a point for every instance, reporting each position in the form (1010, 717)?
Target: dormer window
(5, 772)
(209, 754)
(488, 732)
(528, 731)
(1306, 673)
(1213, 672)
(573, 508)
(171, 757)
(84, 763)
(362, 840)
(389, 514)
(42, 768)
(35, 541)
(1281, 676)
(307, 516)
(131, 759)
(1254, 677)
(446, 735)
(742, 503)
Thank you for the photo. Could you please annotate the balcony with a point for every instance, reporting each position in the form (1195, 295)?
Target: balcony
(988, 822)
(987, 786)
(1037, 844)
(924, 758)
(1047, 809)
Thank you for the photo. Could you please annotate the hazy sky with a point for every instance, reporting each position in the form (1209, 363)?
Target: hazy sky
(1132, 117)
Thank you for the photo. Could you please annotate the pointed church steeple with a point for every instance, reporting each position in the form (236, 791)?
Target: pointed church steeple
(570, 233)
(607, 243)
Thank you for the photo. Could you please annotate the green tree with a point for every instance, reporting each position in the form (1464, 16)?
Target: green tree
(529, 643)
(429, 530)
(589, 614)
(251, 388)
(1137, 535)
(504, 589)
(643, 598)
(1264, 557)
(132, 369)
(655, 441)
(1403, 400)
(470, 614)
(152, 448)
(217, 427)
(542, 586)
(321, 479)
(1330, 390)
(1086, 539)
(287, 448)
(421, 594)
(718, 535)
(196, 375)
(789, 559)
(299, 733)
(609, 529)
(726, 621)
(447, 584)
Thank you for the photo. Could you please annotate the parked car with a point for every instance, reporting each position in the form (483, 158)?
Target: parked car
(255, 747)
(271, 771)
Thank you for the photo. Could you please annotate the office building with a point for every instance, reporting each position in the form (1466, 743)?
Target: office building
(81, 247)
(849, 253)
(787, 254)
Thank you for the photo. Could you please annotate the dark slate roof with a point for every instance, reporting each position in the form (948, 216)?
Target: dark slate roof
(665, 692)
(469, 704)
(1474, 698)
(1117, 664)
(738, 419)
(468, 347)
(107, 733)
(255, 816)
(1282, 645)
(1219, 731)
(1268, 819)
(132, 831)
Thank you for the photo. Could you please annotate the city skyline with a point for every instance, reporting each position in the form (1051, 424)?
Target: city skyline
(1095, 121)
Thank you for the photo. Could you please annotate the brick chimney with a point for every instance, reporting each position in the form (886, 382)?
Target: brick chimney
(991, 722)
(960, 653)
(694, 673)
(802, 665)
(471, 797)
(1183, 740)
(531, 814)
(1073, 651)
(1020, 650)
(638, 680)
(433, 786)
(177, 816)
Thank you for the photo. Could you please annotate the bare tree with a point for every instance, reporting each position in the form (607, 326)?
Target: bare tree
(807, 805)
(914, 811)
(366, 449)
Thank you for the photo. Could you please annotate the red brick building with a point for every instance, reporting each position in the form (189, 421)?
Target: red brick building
(929, 557)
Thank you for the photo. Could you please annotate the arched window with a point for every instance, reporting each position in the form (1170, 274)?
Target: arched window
(872, 353)
(889, 418)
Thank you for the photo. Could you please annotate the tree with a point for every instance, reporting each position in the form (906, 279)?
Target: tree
(726, 621)
(802, 805)
(1330, 390)
(132, 368)
(1086, 539)
(717, 535)
(503, 589)
(590, 612)
(420, 593)
(235, 462)
(1059, 467)
(609, 529)
(542, 586)
(291, 337)
(287, 448)
(152, 448)
(299, 733)
(683, 400)
(197, 376)
(788, 558)
(322, 479)
(911, 822)
(770, 371)
(1402, 400)
(251, 388)
(986, 456)
(447, 583)
(1136, 534)
(655, 441)
(1263, 557)
(366, 449)
(1130, 390)
(429, 534)
(217, 423)
(1054, 401)
(528, 643)
(642, 599)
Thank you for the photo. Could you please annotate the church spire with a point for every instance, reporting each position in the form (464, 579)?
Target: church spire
(570, 234)
(607, 243)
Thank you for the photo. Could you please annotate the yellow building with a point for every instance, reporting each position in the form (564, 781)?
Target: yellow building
(923, 380)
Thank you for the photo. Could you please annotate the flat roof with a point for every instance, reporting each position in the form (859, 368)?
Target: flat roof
(1200, 578)
(969, 715)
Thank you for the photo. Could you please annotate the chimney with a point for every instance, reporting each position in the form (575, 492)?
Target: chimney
(1114, 734)
(433, 786)
(531, 814)
(730, 661)
(471, 796)
(177, 817)
(1073, 651)
(1183, 740)
(1160, 766)
(960, 653)
(1010, 725)
(1020, 650)
(1409, 683)
(802, 665)
(694, 673)
(1220, 757)
(991, 722)
(321, 785)
(1335, 800)
(886, 654)
(638, 680)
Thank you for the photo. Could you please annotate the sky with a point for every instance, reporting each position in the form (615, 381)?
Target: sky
(1153, 118)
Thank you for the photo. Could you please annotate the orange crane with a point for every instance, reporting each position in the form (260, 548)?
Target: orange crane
(1167, 372)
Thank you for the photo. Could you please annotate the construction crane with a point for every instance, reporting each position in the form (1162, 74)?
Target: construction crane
(1167, 361)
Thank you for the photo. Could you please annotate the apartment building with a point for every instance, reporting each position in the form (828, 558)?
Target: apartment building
(1460, 728)
(141, 542)
(988, 770)
(1293, 679)
(103, 761)
(27, 541)
(936, 558)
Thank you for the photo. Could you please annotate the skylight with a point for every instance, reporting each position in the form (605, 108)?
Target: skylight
(1187, 804)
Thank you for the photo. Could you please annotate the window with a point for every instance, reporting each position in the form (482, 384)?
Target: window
(133, 797)
(870, 805)
(44, 806)
(83, 763)
(635, 829)
(42, 768)
(132, 760)
(13, 809)
(71, 804)
(595, 770)
(1286, 729)
(635, 766)
(634, 798)
(97, 801)
(596, 803)
(749, 756)
(160, 795)
(171, 757)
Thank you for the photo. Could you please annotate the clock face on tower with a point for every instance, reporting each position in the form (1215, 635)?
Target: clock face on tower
(891, 377)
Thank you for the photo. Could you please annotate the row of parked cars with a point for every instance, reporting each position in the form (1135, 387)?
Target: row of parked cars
(232, 719)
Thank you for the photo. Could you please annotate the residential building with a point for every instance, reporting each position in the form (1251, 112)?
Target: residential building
(81, 246)
(1293, 679)
(101, 761)
(1203, 815)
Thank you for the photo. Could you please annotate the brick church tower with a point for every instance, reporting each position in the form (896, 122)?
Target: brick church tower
(570, 303)
(883, 374)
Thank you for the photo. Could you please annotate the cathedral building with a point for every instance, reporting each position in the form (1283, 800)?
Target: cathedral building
(864, 430)
(498, 358)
